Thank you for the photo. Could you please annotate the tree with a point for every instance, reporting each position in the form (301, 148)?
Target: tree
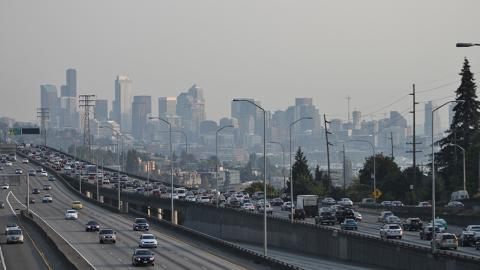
(258, 186)
(463, 132)
(389, 178)
(303, 182)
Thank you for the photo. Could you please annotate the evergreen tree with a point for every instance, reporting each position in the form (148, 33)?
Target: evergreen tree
(462, 132)
(302, 178)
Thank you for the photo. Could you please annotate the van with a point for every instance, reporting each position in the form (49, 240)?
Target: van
(459, 195)
(181, 192)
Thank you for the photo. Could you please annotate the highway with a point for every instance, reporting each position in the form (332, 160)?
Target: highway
(170, 254)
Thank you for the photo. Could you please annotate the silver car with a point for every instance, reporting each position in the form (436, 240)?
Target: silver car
(446, 241)
(107, 236)
(391, 231)
(14, 235)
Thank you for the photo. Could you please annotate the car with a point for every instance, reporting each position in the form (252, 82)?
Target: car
(441, 222)
(276, 202)
(424, 204)
(349, 224)
(368, 201)
(71, 214)
(10, 226)
(470, 235)
(51, 178)
(412, 224)
(325, 217)
(268, 207)
(358, 216)
(35, 191)
(287, 206)
(391, 231)
(47, 198)
(148, 241)
(446, 241)
(14, 235)
(18, 171)
(32, 172)
(8, 163)
(107, 236)
(345, 202)
(77, 205)
(426, 232)
(342, 213)
(43, 173)
(5, 186)
(190, 198)
(31, 201)
(455, 204)
(92, 226)
(140, 224)
(25, 160)
(392, 220)
(396, 203)
(386, 203)
(297, 214)
(384, 215)
(329, 201)
(248, 207)
(143, 257)
(203, 199)
(2, 205)
(47, 187)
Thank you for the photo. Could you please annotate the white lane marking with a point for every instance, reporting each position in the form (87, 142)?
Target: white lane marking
(15, 197)
(3, 259)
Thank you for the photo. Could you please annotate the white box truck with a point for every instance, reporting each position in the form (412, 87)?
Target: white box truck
(309, 203)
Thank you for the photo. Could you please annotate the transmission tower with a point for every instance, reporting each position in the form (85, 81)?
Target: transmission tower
(43, 114)
(86, 102)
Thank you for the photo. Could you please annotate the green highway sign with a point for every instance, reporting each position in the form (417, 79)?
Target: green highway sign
(24, 131)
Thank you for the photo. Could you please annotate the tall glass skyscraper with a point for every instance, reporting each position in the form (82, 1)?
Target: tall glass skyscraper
(122, 105)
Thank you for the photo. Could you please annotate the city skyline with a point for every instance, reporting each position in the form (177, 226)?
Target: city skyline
(305, 55)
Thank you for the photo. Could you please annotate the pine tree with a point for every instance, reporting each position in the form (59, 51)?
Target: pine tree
(462, 132)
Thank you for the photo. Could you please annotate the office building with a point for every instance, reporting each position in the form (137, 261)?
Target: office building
(71, 86)
(101, 110)
(122, 105)
(141, 109)
(49, 100)
(167, 106)
(191, 109)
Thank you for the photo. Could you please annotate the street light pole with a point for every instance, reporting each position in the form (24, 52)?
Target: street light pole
(464, 170)
(433, 170)
(217, 160)
(172, 217)
(283, 162)
(291, 169)
(264, 171)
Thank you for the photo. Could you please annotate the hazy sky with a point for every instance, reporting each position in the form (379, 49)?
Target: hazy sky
(270, 50)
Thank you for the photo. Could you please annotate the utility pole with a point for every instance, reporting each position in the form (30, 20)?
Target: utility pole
(43, 114)
(414, 143)
(86, 102)
(391, 144)
(348, 107)
(328, 152)
(344, 174)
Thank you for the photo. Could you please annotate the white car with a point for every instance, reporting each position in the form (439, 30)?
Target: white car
(204, 199)
(148, 240)
(392, 220)
(14, 235)
(391, 231)
(190, 198)
(345, 202)
(248, 207)
(71, 214)
(47, 198)
(8, 163)
(43, 173)
(5, 186)
(25, 160)
(329, 201)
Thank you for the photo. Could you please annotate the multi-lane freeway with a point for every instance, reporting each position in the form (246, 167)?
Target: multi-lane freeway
(171, 253)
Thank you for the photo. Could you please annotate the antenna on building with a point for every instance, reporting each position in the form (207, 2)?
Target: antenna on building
(348, 107)
(86, 102)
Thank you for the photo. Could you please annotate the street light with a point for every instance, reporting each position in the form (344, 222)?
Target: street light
(464, 170)
(117, 134)
(291, 169)
(264, 171)
(433, 166)
(283, 161)
(171, 165)
(374, 165)
(217, 159)
(463, 44)
(103, 168)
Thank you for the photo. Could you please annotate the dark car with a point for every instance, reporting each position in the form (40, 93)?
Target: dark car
(140, 224)
(143, 257)
(344, 213)
(92, 226)
(51, 178)
(412, 224)
(35, 191)
(276, 202)
(426, 232)
(326, 217)
(297, 214)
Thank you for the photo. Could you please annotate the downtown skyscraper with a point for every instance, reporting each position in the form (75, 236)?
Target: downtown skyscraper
(122, 105)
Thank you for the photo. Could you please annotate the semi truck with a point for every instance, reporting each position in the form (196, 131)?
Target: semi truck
(309, 203)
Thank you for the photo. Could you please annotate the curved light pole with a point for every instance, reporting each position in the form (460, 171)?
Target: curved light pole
(117, 135)
(264, 171)
(433, 168)
(374, 165)
(463, 44)
(217, 159)
(290, 157)
(464, 169)
(171, 165)
(283, 162)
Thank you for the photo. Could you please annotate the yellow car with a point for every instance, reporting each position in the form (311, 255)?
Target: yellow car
(77, 205)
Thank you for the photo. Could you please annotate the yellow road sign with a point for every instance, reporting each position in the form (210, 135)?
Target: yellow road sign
(376, 193)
